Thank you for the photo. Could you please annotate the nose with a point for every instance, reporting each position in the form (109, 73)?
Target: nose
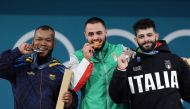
(146, 39)
(95, 36)
(43, 42)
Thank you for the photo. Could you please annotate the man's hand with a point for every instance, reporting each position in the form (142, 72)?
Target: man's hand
(67, 99)
(87, 51)
(187, 60)
(122, 62)
(123, 59)
(25, 48)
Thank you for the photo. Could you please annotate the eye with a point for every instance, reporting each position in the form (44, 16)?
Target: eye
(99, 32)
(150, 34)
(38, 39)
(48, 40)
(140, 36)
(90, 34)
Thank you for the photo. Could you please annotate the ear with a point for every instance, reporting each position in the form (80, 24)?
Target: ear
(85, 34)
(135, 39)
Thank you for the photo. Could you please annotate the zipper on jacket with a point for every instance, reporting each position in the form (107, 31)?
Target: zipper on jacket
(106, 77)
(41, 89)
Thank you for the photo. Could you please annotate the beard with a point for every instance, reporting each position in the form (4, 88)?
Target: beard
(148, 48)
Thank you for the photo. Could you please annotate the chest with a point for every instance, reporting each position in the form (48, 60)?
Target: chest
(153, 74)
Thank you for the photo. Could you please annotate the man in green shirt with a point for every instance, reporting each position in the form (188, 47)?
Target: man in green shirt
(93, 67)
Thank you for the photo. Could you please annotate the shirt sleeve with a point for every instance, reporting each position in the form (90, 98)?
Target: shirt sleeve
(118, 88)
(81, 72)
(184, 81)
(7, 61)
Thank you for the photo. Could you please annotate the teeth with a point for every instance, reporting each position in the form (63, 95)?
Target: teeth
(43, 49)
(39, 49)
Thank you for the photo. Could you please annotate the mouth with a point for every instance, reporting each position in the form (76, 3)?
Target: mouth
(147, 44)
(39, 50)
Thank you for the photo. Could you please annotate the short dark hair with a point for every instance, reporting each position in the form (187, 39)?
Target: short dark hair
(45, 27)
(94, 20)
(144, 24)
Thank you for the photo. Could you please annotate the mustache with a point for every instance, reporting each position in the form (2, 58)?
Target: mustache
(147, 42)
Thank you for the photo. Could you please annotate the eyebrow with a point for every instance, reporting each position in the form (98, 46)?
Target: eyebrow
(40, 37)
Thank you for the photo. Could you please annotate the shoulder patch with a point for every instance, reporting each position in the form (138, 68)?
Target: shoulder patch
(54, 63)
(29, 59)
(52, 76)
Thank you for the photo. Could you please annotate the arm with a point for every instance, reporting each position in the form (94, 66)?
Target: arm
(7, 60)
(81, 69)
(184, 81)
(81, 72)
(118, 88)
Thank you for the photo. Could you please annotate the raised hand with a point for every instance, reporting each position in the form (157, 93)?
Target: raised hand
(187, 60)
(122, 62)
(123, 59)
(87, 51)
(25, 48)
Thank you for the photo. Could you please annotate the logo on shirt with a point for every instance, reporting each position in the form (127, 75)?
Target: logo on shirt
(137, 68)
(167, 64)
(153, 81)
(31, 73)
(52, 76)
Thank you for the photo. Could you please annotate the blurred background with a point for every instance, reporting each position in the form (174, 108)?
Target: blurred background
(19, 18)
